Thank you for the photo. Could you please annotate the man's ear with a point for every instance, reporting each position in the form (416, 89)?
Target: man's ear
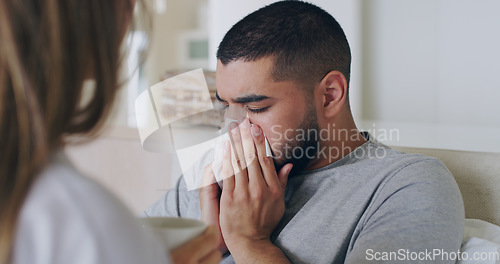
(334, 93)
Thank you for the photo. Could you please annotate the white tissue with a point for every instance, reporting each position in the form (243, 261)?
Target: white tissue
(219, 151)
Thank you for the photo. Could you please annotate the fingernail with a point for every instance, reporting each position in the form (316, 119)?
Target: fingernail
(256, 130)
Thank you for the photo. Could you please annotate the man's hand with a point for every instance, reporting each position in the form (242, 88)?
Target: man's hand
(201, 249)
(209, 204)
(252, 202)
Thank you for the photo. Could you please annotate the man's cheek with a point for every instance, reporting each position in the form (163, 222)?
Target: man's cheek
(273, 135)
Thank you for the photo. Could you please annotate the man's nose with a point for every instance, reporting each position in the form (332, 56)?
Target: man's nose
(235, 112)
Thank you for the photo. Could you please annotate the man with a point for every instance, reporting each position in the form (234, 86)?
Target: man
(348, 199)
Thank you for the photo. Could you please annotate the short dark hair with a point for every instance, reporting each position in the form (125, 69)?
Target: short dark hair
(305, 41)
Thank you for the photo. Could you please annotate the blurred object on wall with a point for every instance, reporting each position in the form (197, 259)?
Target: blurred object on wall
(193, 43)
(160, 6)
(177, 103)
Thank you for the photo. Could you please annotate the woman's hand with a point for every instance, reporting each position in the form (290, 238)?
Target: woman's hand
(209, 204)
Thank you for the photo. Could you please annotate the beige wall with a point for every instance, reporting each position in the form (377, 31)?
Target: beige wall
(118, 161)
(163, 50)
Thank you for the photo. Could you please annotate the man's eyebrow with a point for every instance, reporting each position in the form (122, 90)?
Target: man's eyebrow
(244, 99)
(250, 98)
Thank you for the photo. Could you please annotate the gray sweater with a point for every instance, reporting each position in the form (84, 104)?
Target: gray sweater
(375, 205)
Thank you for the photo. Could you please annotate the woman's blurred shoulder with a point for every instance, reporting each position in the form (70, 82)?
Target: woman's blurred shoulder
(69, 218)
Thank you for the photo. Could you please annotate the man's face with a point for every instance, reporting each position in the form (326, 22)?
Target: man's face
(279, 108)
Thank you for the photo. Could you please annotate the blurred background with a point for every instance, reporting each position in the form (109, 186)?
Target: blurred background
(424, 74)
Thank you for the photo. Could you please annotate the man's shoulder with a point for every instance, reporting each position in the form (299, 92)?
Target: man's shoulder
(414, 175)
(414, 165)
(375, 158)
(381, 157)
(377, 168)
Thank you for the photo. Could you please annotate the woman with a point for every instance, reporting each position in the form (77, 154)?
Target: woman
(49, 213)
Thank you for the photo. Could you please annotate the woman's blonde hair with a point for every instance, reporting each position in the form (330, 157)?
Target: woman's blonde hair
(48, 49)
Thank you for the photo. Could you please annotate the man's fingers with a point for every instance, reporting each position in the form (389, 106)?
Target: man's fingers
(213, 258)
(237, 156)
(253, 167)
(284, 173)
(208, 189)
(209, 206)
(247, 142)
(208, 176)
(227, 169)
(260, 144)
(237, 153)
(266, 162)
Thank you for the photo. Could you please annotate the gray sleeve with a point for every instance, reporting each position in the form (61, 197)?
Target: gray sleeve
(179, 202)
(169, 204)
(419, 220)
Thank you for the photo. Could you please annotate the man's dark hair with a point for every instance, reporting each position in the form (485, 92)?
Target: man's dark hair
(304, 40)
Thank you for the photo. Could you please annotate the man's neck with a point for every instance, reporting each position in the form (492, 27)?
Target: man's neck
(336, 141)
